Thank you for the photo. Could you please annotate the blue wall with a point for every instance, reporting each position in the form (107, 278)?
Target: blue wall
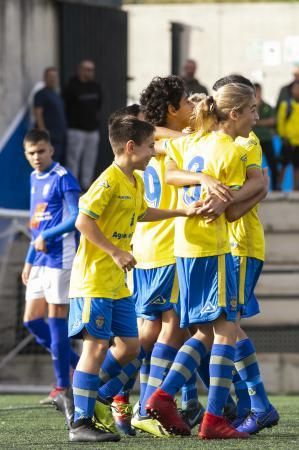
(14, 170)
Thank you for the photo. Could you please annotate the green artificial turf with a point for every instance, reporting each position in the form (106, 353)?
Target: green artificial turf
(24, 424)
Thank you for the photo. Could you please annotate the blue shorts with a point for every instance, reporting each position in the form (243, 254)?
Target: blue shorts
(207, 289)
(155, 291)
(247, 272)
(102, 317)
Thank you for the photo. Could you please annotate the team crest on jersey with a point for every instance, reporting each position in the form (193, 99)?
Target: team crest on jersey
(233, 303)
(100, 322)
(104, 184)
(158, 301)
(46, 189)
(209, 308)
(251, 391)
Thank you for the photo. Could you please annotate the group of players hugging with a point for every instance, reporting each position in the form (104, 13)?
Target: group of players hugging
(170, 251)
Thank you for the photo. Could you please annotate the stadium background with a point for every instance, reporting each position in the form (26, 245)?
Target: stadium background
(130, 45)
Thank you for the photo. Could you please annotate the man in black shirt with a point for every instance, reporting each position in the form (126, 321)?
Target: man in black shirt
(193, 86)
(48, 109)
(83, 100)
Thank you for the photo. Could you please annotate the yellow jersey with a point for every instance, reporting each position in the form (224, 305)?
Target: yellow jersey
(153, 242)
(217, 155)
(247, 233)
(116, 204)
(287, 127)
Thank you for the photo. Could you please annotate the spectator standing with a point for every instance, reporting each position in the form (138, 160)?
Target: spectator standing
(83, 100)
(285, 91)
(264, 130)
(49, 113)
(193, 86)
(288, 130)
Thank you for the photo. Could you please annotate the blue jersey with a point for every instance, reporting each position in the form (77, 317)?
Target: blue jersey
(48, 208)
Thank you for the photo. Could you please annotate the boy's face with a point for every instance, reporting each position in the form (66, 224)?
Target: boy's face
(143, 153)
(39, 155)
(247, 118)
(184, 112)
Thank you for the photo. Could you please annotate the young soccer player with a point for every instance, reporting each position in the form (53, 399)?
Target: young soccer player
(46, 273)
(100, 299)
(206, 274)
(248, 249)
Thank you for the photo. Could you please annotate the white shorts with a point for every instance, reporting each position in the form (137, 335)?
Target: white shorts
(48, 283)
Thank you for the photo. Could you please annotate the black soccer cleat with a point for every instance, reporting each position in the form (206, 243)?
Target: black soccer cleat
(64, 403)
(84, 430)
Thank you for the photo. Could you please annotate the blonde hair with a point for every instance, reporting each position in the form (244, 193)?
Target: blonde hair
(211, 111)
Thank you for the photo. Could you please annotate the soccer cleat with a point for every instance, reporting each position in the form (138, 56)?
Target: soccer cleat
(193, 413)
(122, 413)
(52, 395)
(161, 406)
(230, 412)
(148, 425)
(237, 421)
(64, 403)
(84, 430)
(256, 422)
(103, 415)
(218, 427)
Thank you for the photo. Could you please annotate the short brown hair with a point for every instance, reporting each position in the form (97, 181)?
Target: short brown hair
(128, 128)
(34, 136)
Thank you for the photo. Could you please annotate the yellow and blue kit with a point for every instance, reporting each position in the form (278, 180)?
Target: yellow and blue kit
(205, 268)
(154, 278)
(247, 239)
(116, 204)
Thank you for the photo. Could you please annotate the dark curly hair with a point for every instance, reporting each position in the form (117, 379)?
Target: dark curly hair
(160, 93)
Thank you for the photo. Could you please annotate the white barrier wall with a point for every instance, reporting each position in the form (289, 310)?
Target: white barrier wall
(260, 40)
(28, 43)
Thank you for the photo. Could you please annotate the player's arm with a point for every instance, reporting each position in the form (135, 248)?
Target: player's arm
(38, 113)
(234, 212)
(156, 214)
(162, 133)
(253, 189)
(29, 260)
(91, 231)
(68, 225)
(254, 185)
(179, 177)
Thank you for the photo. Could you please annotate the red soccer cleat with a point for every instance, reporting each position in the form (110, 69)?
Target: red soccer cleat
(161, 406)
(218, 427)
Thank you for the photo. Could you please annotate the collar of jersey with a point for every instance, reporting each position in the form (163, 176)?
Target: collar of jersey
(125, 176)
(47, 172)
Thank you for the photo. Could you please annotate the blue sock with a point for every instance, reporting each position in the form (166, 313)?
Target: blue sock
(248, 369)
(189, 392)
(161, 360)
(113, 386)
(60, 350)
(221, 368)
(144, 374)
(243, 399)
(85, 389)
(186, 362)
(40, 330)
(110, 368)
